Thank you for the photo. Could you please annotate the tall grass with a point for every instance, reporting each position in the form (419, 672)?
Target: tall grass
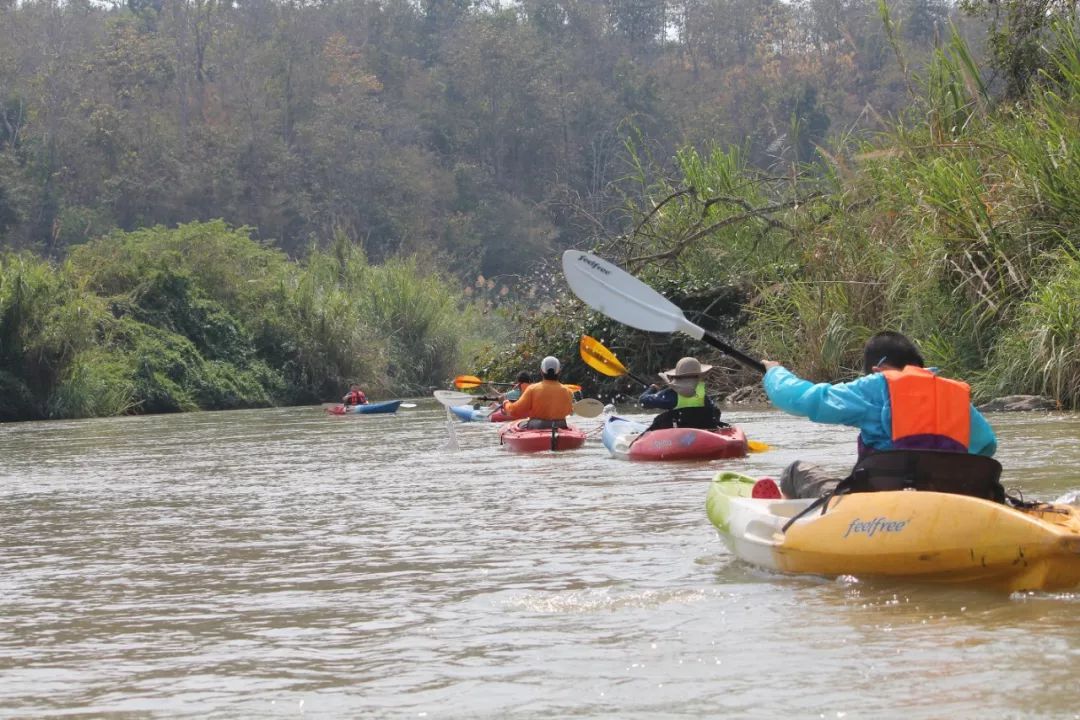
(318, 333)
(420, 316)
(813, 328)
(1040, 353)
(963, 207)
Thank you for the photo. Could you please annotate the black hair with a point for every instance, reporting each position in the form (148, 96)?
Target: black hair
(890, 348)
(524, 377)
(551, 374)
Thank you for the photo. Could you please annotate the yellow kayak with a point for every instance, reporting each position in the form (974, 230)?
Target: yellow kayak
(925, 536)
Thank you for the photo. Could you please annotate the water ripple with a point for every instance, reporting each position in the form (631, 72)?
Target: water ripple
(283, 562)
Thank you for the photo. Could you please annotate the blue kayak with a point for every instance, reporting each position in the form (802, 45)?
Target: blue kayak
(386, 406)
(468, 413)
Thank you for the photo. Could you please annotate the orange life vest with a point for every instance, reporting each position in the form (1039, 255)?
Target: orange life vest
(928, 411)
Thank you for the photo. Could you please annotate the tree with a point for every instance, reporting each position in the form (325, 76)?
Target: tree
(1017, 31)
(641, 22)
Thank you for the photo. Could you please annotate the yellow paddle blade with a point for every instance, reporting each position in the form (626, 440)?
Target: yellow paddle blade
(757, 446)
(572, 388)
(599, 358)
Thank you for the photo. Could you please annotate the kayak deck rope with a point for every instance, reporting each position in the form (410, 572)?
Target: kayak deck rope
(1015, 498)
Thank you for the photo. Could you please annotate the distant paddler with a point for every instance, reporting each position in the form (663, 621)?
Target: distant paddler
(355, 396)
(685, 401)
(546, 403)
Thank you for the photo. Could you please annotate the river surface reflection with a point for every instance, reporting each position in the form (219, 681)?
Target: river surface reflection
(285, 563)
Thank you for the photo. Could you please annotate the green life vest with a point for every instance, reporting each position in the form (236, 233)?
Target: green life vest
(696, 400)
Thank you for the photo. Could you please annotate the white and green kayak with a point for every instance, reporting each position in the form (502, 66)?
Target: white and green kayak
(921, 535)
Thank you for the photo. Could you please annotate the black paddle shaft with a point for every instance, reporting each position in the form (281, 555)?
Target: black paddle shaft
(736, 354)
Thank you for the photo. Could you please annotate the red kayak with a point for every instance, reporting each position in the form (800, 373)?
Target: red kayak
(629, 440)
(520, 439)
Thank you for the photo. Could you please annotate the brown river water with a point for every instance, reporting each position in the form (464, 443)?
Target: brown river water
(286, 563)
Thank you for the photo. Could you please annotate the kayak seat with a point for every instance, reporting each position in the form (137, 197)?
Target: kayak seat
(702, 418)
(538, 424)
(929, 470)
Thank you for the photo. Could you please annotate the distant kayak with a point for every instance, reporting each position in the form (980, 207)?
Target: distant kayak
(468, 413)
(919, 535)
(629, 440)
(520, 439)
(386, 406)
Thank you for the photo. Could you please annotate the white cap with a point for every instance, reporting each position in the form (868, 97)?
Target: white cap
(550, 363)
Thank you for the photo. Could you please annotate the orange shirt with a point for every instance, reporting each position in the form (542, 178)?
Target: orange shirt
(545, 400)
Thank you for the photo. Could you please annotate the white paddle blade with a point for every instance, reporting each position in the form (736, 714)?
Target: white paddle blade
(588, 408)
(609, 289)
(407, 405)
(451, 441)
(449, 398)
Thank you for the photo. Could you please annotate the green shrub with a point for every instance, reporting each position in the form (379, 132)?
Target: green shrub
(224, 263)
(223, 386)
(173, 301)
(97, 383)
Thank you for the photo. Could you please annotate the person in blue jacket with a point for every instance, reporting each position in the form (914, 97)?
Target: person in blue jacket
(896, 405)
(523, 381)
(685, 401)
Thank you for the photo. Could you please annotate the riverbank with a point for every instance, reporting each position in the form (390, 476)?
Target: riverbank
(202, 317)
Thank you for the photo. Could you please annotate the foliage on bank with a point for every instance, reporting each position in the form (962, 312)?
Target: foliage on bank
(959, 227)
(203, 317)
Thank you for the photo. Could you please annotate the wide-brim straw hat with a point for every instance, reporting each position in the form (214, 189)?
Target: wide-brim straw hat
(685, 375)
(686, 368)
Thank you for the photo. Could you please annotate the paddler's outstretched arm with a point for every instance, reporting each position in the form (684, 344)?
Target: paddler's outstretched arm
(861, 403)
(842, 404)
